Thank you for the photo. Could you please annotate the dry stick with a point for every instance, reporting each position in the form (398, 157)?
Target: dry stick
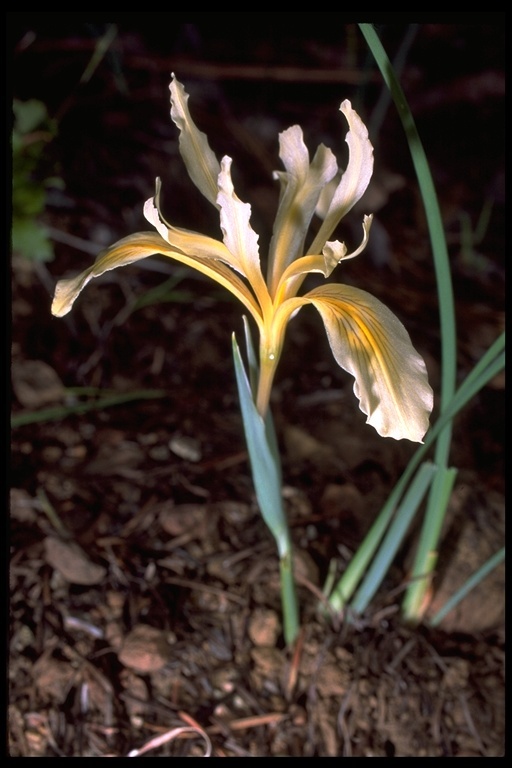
(174, 733)
(203, 588)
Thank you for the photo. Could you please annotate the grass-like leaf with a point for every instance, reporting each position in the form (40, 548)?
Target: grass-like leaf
(266, 474)
(59, 412)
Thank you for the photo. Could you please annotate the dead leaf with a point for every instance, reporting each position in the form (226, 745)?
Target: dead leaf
(36, 384)
(264, 627)
(72, 562)
(53, 677)
(184, 518)
(145, 649)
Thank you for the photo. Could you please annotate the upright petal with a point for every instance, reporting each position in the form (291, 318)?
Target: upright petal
(369, 342)
(301, 186)
(202, 165)
(353, 182)
(239, 237)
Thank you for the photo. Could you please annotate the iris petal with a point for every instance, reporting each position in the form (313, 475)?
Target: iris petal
(140, 246)
(185, 240)
(201, 162)
(332, 254)
(240, 239)
(366, 338)
(370, 342)
(127, 251)
(301, 186)
(353, 182)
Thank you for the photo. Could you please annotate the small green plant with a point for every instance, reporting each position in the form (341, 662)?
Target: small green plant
(366, 338)
(364, 574)
(32, 132)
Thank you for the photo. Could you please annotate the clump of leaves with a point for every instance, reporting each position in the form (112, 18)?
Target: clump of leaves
(32, 131)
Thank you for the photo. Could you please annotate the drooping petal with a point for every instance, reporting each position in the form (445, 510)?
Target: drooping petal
(301, 186)
(371, 343)
(133, 248)
(353, 182)
(201, 162)
(140, 246)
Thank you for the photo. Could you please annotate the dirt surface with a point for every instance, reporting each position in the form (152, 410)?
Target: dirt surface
(144, 589)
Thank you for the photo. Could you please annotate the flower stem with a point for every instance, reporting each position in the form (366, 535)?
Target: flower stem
(268, 365)
(288, 599)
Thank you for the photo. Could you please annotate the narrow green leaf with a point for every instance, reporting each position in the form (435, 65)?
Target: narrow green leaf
(394, 537)
(264, 463)
(470, 584)
(266, 474)
(426, 556)
(251, 358)
(491, 363)
(60, 412)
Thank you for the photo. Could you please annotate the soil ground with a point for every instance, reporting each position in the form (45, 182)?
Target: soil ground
(144, 589)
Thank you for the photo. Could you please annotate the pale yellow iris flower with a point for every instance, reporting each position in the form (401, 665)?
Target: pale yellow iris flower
(367, 340)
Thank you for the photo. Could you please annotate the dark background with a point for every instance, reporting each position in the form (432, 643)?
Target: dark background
(107, 473)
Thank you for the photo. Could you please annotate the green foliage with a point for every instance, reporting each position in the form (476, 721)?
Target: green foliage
(436, 478)
(96, 400)
(266, 473)
(32, 132)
